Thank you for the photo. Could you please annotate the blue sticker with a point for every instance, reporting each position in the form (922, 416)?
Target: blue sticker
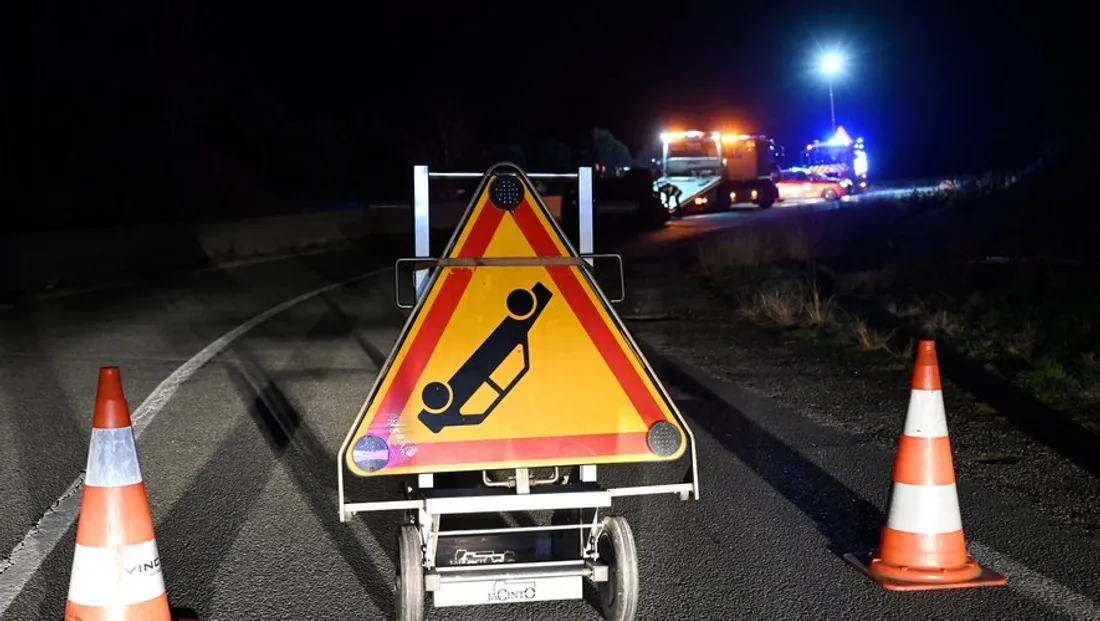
(371, 453)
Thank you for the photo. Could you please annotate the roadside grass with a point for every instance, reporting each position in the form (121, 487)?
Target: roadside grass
(1034, 323)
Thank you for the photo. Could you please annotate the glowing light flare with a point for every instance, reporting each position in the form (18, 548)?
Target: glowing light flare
(832, 64)
(859, 164)
(731, 138)
(668, 136)
(841, 137)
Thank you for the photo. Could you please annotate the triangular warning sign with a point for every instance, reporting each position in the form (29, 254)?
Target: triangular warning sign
(512, 358)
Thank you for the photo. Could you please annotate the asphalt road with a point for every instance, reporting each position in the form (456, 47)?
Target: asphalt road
(239, 452)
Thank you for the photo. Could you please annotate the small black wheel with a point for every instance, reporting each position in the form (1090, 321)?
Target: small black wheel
(409, 598)
(829, 194)
(619, 595)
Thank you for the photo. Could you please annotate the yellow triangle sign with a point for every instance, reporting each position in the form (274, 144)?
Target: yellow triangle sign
(512, 358)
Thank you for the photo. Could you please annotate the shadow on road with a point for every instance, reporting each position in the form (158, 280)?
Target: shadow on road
(311, 466)
(850, 522)
(343, 325)
(40, 414)
(227, 486)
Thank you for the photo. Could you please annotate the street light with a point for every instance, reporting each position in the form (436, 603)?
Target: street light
(831, 64)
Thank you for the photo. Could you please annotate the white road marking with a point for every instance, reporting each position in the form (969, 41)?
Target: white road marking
(1037, 586)
(29, 554)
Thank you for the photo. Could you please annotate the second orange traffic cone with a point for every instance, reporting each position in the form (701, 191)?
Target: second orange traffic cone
(116, 573)
(922, 546)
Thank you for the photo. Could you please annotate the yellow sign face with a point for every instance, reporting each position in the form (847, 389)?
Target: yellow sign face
(512, 365)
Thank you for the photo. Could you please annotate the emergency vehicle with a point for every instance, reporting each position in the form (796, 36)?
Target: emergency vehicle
(715, 170)
(841, 157)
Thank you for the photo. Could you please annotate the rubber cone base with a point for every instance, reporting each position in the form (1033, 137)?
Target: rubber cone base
(861, 561)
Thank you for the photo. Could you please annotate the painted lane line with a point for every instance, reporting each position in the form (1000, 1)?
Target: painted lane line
(29, 554)
(1037, 586)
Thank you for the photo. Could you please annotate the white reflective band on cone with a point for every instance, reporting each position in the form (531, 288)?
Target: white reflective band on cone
(925, 509)
(112, 458)
(116, 576)
(926, 418)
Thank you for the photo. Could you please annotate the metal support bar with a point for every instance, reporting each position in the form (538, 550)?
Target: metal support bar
(478, 175)
(427, 263)
(433, 542)
(504, 503)
(500, 573)
(424, 264)
(382, 505)
(421, 224)
(510, 530)
(509, 261)
(488, 503)
(646, 490)
(584, 205)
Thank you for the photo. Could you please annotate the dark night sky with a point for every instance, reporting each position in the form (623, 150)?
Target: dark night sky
(124, 98)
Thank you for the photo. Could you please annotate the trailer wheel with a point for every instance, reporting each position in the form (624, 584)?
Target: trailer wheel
(409, 598)
(619, 595)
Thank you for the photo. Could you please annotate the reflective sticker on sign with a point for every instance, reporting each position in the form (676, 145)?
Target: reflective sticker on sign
(371, 453)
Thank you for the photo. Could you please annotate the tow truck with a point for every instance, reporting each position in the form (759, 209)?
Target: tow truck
(714, 170)
(840, 157)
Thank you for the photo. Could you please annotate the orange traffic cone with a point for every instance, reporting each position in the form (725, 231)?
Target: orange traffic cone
(116, 572)
(922, 546)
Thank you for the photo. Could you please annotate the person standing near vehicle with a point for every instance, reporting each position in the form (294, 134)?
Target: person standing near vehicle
(671, 194)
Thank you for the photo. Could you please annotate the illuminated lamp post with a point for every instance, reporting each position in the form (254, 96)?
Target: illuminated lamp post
(831, 65)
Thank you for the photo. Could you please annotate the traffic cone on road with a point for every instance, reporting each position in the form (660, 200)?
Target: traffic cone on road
(116, 573)
(922, 546)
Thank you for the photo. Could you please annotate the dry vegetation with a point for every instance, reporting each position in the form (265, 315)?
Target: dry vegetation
(1034, 323)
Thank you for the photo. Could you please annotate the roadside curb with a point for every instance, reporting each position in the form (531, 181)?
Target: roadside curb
(1031, 416)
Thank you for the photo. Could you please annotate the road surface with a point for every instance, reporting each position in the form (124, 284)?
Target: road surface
(243, 400)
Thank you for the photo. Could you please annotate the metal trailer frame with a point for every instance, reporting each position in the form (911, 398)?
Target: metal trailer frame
(426, 505)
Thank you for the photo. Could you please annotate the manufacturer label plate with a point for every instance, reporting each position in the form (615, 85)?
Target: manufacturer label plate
(508, 591)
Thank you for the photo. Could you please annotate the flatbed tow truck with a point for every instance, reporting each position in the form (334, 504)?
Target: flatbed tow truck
(715, 171)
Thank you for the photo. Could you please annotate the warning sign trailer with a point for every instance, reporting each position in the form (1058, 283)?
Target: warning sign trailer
(512, 366)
